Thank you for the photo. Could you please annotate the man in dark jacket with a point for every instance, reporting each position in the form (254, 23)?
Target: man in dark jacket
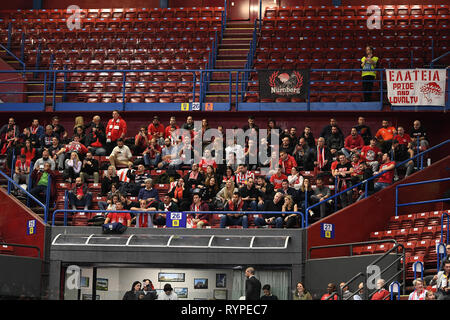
(252, 285)
(304, 155)
(148, 291)
(335, 141)
(80, 196)
(250, 196)
(272, 205)
(89, 168)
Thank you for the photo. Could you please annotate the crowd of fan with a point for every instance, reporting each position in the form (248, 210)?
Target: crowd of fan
(208, 186)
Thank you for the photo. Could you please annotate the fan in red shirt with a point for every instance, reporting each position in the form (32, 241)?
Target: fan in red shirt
(199, 220)
(120, 217)
(115, 129)
(382, 293)
(371, 153)
(353, 143)
(386, 179)
(331, 288)
(402, 137)
(286, 162)
(277, 179)
(172, 122)
(206, 161)
(156, 129)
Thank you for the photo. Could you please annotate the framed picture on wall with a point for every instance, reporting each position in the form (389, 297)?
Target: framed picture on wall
(201, 283)
(221, 280)
(170, 277)
(220, 294)
(102, 284)
(182, 293)
(84, 281)
(87, 296)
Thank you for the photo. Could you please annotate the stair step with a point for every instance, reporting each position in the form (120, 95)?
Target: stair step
(237, 57)
(40, 98)
(234, 41)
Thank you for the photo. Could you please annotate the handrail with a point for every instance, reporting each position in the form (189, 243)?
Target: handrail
(418, 263)
(14, 56)
(392, 291)
(438, 58)
(397, 205)
(373, 177)
(444, 254)
(26, 192)
(22, 246)
(137, 212)
(445, 214)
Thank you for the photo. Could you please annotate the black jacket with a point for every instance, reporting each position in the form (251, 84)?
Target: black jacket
(90, 169)
(252, 289)
(132, 295)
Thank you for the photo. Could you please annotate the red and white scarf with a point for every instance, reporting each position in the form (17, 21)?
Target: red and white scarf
(320, 157)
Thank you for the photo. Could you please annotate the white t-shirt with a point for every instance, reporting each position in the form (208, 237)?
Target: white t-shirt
(164, 296)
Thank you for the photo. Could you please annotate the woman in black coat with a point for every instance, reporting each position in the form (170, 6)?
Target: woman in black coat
(133, 294)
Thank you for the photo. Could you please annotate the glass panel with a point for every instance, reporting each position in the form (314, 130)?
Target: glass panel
(104, 240)
(190, 241)
(269, 242)
(65, 239)
(224, 241)
(150, 241)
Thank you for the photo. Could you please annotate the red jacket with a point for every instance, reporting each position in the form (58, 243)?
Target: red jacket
(356, 142)
(380, 295)
(115, 128)
(152, 130)
(288, 164)
(203, 207)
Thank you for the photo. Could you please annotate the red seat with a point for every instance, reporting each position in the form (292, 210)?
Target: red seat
(429, 232)
(369, 249)
(414, 234)
(377, 235)
(382, 248)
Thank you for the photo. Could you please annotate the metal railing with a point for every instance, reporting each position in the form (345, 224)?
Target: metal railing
(365, 182)
(14, 57)
(439, 58)
(23, 246)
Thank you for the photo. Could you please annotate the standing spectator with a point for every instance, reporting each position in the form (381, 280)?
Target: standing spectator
(295, 179)
(304, 155)
(335, 141)
(47, 137)
(109, 177)
(252, 156)
(286, 146)
(250, 196)
(441, 281)
(381, 293)
(326, 131)
(419, 292)
(322, 156)
(115, 129)
(364, 130)
(121, 217)
(252, 285)
(293, 136)
(385, 135)
(189, 124)
(234, 219)
(39, 164)
(156, 130)
(402, 137)
(250, 124)
(96, 142)
(8, 146)
(387, 166)
(331, 291)
(133, 294)
(172, 123)
(36, 129)
(304, 195)
(353, 144)
(59, 129)
(141, 141)
(368, 64)
(80, 196)
(371, 153)
(72, 167)
(401, 153)
(28, 151)
(11, 125)
(234, 148)
(275, 205)
(301, 293)
(40, 178)
(343, 174)
(152, 155)
(286, 162)
(89, 169)
(321, 193)
(121, 154)
(148, 192)
(267, 294)
(199, 220)
(418, 132)
(277, 179)
(22, 170)
(168, 293)
(56, 152)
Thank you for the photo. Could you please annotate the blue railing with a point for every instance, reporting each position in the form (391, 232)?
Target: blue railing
(445, 214)
(398, 205)
(365, 182)
(138, 213)
(392, 289)
(438, 58)
(14, 56)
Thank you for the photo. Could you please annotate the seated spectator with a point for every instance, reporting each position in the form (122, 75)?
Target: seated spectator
(145, 219)
(56, 152)
(301, 293)
(152, 155)
(387, 166)
(286, 146)
(168, 293)
(251, 196)
(115, 129)
(353, 144)
(304, 195)
(89, 169)
(243, 175)
(46, 140)
(229, 175)
(75, 146)
(364, 130)
(371, 153)
(322, 155)
(286, 162)
(198, 220)
(80, 196)
(275, 205)
(120, 217)
(111, 198)
(360, 294)
(11, 125)
(141, 141)
(156, 130)
(8, 145)
(295, 179)
(308, 137)
(331, 289)
(419, 292)
(335, 142)
(168, 154)
(96, 142)
(45, 158)
(109, 177)
(381, 293)
(272, 167)
(180, 195)
(321, 193)
(148, 192)
(207, 160)
(79, 123)
(343, 174)
(72, 168)
(234, 219)
(210, 193)
(22, 170)
(121, 155)
(402, 137)
(225, 194)
(400, 153)
(277, 179)
(36, 129)
(418, 132)
(326, 131)
(346, 294)
(266, 190)
(385, 135)
(127, 202)
(208, 175)
(40, 178)
(359, 168)
(28, 151)
(136, 180)
(287, 190)
(59, 129)
(430, 295)
(304, 155)
(169, 205)
(289, 205)
(267, 294)
(194, 178)
(441, 282)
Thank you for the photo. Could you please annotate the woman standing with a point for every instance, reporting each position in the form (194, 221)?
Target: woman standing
(368, 63)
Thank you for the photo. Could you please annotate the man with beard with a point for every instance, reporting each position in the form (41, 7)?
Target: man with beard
(80, 196)
(364, 130)
(335, 142)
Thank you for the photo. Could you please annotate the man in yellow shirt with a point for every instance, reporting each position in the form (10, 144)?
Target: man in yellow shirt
(368, 63)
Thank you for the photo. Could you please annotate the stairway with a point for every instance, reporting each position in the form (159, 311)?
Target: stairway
(232, 54)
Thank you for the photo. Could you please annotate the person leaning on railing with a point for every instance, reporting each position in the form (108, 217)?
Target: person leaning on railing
(368, 63)
(40, 177)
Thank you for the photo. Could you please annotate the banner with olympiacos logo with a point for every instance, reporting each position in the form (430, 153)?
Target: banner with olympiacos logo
(416, 87)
